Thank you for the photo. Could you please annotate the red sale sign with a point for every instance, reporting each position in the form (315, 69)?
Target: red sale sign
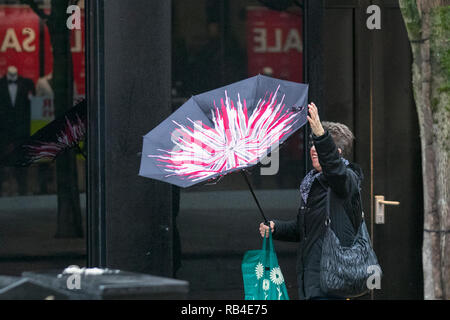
(19, 45)
(19, 41)
(274, 43)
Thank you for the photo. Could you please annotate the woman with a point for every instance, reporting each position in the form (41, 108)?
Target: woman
(331, 142)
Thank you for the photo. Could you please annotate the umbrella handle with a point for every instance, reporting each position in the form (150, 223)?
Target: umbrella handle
(266, 222)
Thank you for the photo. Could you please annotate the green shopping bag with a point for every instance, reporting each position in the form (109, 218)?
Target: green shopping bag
(262, 275)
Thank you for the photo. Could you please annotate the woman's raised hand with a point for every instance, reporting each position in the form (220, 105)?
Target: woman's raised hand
(314, 120)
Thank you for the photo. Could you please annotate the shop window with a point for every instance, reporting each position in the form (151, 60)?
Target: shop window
(41, 197)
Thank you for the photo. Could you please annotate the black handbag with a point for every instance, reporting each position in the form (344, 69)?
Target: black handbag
(345, 271)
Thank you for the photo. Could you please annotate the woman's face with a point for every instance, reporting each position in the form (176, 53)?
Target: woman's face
(315, 158)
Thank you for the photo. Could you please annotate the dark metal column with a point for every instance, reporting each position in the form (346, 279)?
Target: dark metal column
(312, 61)
(95, 94)
(130, 217)
(313, 49)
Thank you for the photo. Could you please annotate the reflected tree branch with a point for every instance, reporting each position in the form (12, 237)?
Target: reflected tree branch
(34, 6)
(69, 211)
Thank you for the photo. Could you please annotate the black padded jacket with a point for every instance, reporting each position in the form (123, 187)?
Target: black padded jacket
(309, 225)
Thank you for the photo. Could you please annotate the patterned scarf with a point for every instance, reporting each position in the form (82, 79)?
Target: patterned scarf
(308, 180)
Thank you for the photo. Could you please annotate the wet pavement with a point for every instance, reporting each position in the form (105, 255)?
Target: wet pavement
(213, 242)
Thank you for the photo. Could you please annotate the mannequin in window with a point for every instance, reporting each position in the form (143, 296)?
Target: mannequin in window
(15, 114)
(44, 86)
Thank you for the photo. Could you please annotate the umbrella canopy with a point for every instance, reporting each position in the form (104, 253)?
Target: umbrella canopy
(61, 134)
(224, 130)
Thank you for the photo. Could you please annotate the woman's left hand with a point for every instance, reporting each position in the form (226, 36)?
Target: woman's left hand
(314, 120)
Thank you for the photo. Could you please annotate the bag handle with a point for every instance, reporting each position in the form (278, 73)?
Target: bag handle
(268, 252)
(269, 239)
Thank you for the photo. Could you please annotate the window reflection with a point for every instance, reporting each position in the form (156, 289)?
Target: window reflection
(35, 218)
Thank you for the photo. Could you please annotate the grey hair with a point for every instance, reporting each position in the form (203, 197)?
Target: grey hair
(342, 136)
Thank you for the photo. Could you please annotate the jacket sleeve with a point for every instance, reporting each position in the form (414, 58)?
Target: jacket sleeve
(286, 230)
(343, 181)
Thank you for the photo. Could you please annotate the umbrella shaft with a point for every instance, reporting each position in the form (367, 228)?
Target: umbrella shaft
(254, 197)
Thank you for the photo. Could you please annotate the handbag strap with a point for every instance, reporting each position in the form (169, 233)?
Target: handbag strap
(360, 203)
(328, 215)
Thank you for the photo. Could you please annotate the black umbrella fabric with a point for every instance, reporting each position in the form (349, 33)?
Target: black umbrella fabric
(224, 130)
(61, 134)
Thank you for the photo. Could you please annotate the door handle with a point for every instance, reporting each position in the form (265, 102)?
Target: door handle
(379, 208)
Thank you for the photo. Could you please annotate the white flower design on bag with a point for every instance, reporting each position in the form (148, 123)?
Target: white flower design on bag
(259, 270)
(276, 276)
(266, 284)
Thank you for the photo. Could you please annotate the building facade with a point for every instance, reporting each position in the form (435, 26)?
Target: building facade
(143, 59)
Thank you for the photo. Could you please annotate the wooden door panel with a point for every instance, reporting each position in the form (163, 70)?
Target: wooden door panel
(367, 85)
(397, 160)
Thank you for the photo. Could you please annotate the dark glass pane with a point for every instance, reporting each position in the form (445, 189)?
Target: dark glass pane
(42, 224)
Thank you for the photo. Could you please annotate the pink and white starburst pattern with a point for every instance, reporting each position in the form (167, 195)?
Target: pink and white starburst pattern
(236, 141)
(69, 137)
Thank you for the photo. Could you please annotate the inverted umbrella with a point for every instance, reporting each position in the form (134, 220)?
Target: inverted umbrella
(63, 133)
(224, 130)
